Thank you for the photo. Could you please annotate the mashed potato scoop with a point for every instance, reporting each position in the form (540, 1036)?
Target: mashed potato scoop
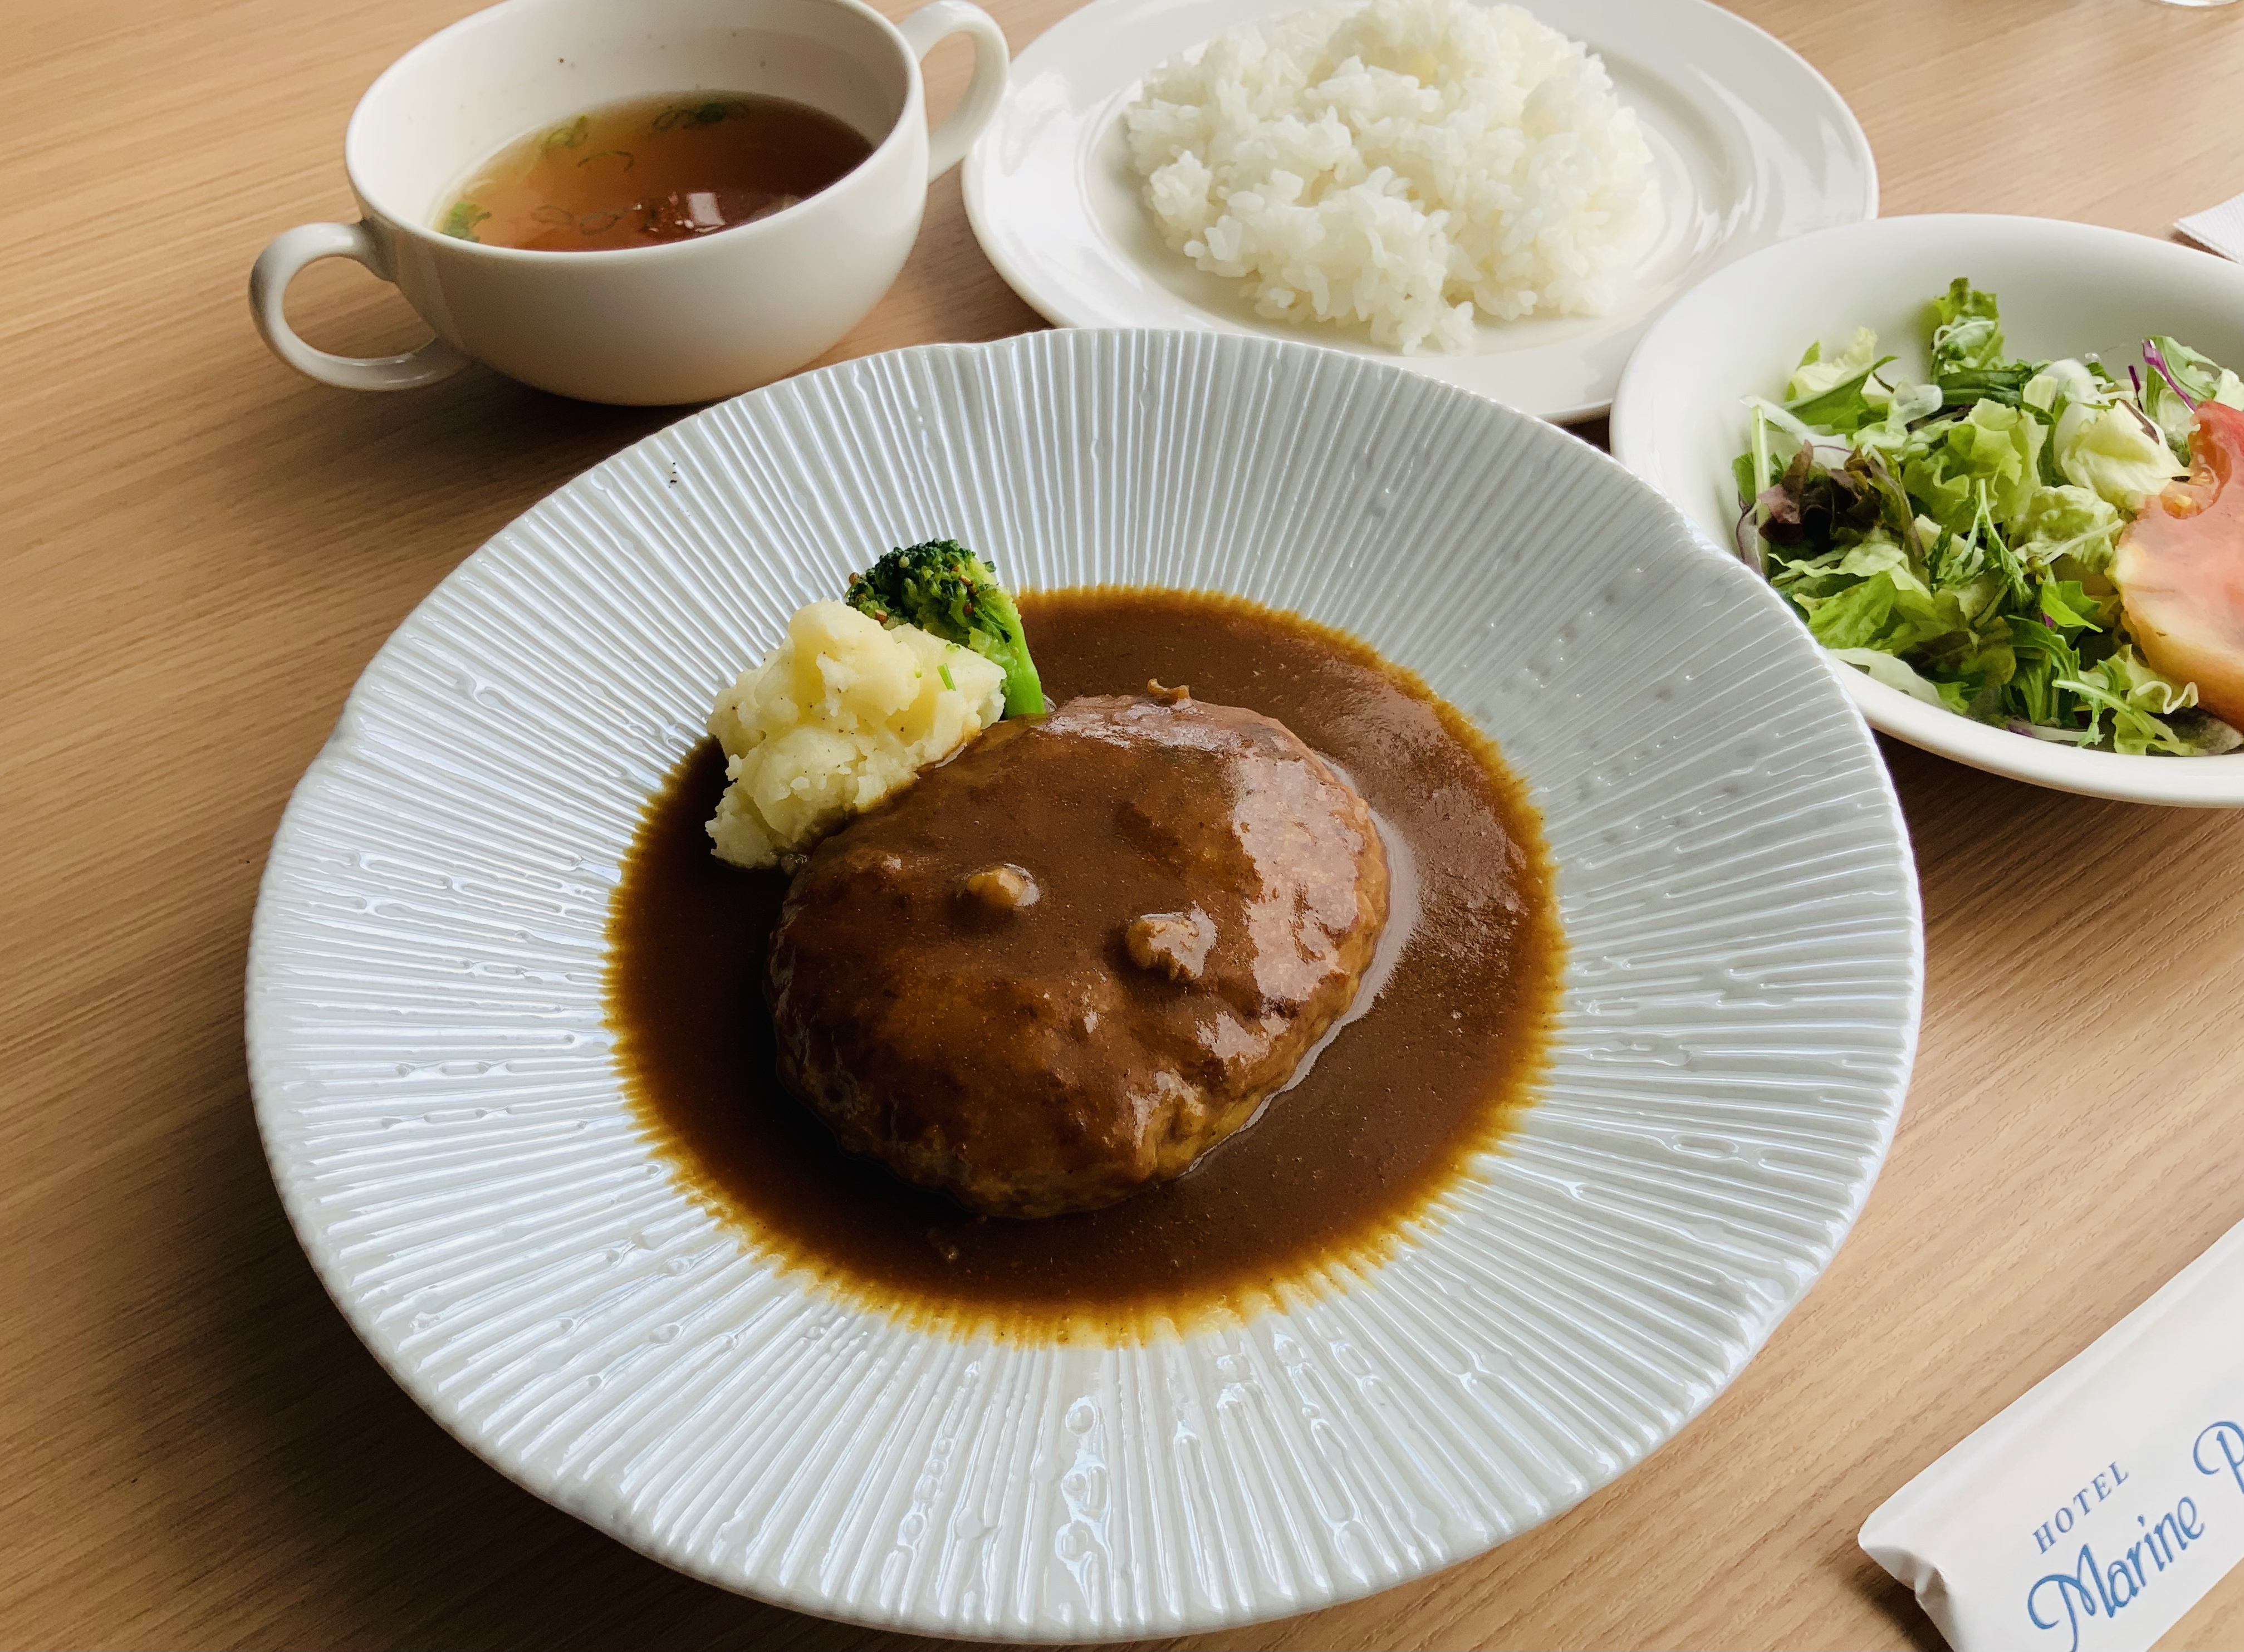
(839, 715)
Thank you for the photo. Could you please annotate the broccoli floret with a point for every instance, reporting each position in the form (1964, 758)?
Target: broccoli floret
(947, 590)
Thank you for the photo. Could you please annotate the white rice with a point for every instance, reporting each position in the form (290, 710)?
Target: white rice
(1398, 165)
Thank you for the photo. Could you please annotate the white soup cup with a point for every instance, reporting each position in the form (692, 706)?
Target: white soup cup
(684, 321)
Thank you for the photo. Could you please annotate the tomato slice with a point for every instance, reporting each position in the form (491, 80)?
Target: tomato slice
(2180, 569)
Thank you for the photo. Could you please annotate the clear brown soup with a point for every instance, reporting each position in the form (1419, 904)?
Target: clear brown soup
(650, 171)
(1364, 1143)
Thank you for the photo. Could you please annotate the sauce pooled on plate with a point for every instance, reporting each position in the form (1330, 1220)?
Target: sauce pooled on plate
(1422, 1073)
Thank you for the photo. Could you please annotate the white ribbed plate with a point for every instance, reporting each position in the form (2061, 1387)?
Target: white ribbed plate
(441, 1105)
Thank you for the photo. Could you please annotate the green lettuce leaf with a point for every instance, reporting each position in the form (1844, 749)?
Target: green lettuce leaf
(2205, 378)
(1848, 405)
(2045, 658)
(2124, 688)
(2133, 731)
(2067, 520)
(1967, 330)
(2006, 385)
(1996, 445)
(1896, 672)
(1906, 404)
(1880, 553)
(1818, 373)
(2107, 450)
(1880, 614)
(1842, 392)
(2135, 680)
(2202, 378)
(2066, 604)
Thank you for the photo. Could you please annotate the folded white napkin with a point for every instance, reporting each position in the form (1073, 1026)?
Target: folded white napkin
(2219, 229)
(2097, 1509)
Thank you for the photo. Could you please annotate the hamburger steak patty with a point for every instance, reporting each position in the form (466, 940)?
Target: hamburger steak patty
(1064, 965)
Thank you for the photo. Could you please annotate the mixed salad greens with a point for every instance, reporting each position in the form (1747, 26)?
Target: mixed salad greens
(1955, 538)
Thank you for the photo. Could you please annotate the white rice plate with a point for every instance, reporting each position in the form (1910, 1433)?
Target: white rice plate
(1398, 165)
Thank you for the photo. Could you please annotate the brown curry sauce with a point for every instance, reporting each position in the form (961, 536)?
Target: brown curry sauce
(1363, 1143)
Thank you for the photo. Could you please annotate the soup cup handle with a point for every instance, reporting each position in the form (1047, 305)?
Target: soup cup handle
(291, 251)
(948, 144)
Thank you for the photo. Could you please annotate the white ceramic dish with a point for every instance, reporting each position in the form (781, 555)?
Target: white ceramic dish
(438, 1097)
(687, 321)
(1752, 145)
(2065, 289)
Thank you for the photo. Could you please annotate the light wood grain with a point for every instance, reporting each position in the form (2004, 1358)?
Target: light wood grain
(199, 551)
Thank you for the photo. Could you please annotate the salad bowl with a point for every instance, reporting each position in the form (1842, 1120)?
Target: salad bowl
(1680, 415)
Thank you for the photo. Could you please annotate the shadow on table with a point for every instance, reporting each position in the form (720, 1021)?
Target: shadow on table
(1965, 826)
(1893, 1600)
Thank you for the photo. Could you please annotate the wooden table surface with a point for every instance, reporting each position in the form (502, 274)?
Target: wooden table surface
(201, 550)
